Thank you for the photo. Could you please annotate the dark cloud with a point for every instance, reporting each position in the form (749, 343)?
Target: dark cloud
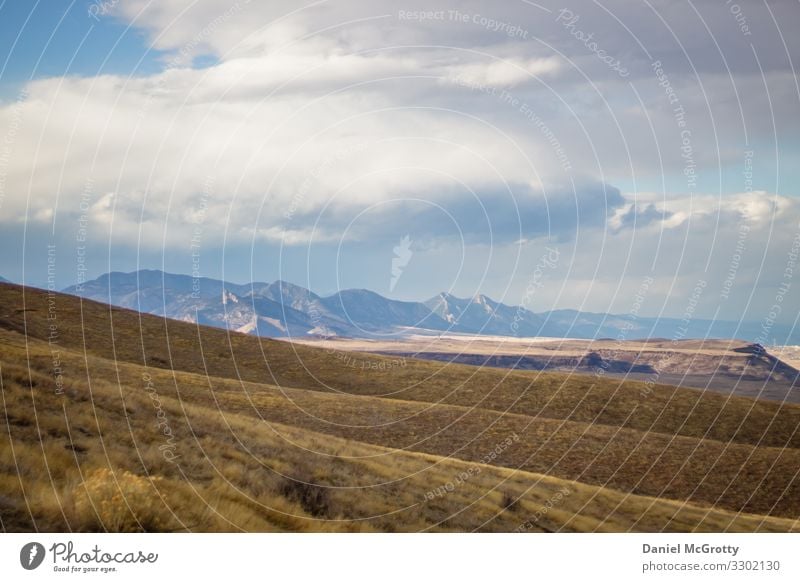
(486, 216)
(642, 216)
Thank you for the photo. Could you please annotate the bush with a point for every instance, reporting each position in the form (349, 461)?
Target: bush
(312, 498)
(508, 502)
(121, 502)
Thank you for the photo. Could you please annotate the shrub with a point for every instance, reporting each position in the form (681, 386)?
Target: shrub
(119, 502)
(508, 502)
(312, 498)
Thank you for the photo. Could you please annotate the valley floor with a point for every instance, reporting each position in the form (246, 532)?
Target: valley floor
(725, 366)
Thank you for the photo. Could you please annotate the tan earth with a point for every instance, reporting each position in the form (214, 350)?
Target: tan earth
(728, 366)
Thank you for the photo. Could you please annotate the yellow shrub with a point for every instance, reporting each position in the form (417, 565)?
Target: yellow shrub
(121, 502)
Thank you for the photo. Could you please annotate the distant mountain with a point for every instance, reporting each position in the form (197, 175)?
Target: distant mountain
(246, 308)
(289, 294)
(282, 309)
(3, 280)
(155, 291)
(481, 315)
(374, 313)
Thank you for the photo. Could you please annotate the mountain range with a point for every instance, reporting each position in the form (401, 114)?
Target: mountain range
(282, 309)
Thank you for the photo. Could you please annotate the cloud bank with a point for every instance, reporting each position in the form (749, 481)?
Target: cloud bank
(639, 139)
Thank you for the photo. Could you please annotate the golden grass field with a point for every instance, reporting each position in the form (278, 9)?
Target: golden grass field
(118, 421)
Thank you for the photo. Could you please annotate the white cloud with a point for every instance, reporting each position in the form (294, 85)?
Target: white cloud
(326, 109)
(155, 141)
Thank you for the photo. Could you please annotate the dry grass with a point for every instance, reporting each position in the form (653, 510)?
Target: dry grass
(123, 335)
(93, 454)
(120, 502)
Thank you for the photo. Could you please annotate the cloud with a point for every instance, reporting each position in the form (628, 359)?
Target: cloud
(515, 214)
(293, 85)
(739, 248)
(632, 216)
(483, 125)
(149, 146)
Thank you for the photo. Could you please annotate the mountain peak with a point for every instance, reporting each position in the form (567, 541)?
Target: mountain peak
(281, 284)
(445, 297)
(228, 296)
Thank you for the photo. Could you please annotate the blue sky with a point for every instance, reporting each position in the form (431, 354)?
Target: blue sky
(304, 142)
(51, 38)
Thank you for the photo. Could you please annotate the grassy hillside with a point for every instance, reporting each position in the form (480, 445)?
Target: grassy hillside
(124, 335)
(264, 435)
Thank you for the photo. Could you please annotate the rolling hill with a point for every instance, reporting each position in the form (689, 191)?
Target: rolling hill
(123, 421)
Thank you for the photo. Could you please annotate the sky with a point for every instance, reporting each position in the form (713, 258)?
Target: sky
(606, 156)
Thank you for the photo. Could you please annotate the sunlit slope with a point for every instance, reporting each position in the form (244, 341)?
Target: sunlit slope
(86, 453)
(735, 454)
(125, 335)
